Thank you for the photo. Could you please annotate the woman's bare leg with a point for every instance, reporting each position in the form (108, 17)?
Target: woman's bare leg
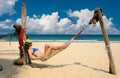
(48, 50)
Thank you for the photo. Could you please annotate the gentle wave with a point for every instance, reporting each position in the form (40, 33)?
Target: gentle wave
(61, 41)
(64, 40)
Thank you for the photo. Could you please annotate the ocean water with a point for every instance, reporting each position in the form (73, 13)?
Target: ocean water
(65, 38)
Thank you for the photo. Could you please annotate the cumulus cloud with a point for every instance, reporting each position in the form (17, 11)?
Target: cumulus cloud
(53, 24)
(48, 24)
(6, 6)
(85, 15)
(6, 26)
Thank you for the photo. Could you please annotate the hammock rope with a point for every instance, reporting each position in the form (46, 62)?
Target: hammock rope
(6, 35)
(10, 34)
(68, 43)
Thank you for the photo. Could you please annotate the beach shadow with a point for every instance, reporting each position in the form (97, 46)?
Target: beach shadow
(97, 69)
(34, 65)
(8, 50)
(9, 70)
(1, 68)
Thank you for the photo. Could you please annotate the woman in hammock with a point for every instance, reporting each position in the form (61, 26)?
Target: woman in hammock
(36, 54)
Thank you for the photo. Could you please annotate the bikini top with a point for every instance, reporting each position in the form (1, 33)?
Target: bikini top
(34, 50)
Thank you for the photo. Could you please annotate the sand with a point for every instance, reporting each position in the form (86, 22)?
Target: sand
(79, 60)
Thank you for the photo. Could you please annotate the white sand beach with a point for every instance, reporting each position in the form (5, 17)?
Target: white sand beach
(79, 60)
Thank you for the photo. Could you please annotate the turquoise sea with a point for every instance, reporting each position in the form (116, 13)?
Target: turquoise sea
(65, 38)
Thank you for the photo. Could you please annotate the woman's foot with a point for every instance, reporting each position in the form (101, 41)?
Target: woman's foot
(43, 58)
(64, 46)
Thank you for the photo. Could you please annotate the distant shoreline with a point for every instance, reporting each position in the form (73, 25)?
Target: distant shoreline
(75, 41)
(64, 38)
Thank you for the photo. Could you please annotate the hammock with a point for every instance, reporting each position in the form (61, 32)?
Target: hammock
(67, 43)
(6, 35)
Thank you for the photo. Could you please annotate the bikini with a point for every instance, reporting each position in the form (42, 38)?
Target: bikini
(34, 50)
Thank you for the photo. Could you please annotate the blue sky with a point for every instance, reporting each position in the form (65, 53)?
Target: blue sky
(59, 16)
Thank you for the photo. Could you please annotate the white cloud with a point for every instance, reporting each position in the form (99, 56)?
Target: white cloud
(84, 17)
(6, 6)
(53, 24)
(5, 24)
(48, 24)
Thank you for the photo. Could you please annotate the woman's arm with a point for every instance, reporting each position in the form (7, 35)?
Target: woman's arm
(32, 57)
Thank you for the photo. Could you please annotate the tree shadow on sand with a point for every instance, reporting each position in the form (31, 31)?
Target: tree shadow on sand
(97, 69)
(34, 65)
(8, 68)
(1, 68)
